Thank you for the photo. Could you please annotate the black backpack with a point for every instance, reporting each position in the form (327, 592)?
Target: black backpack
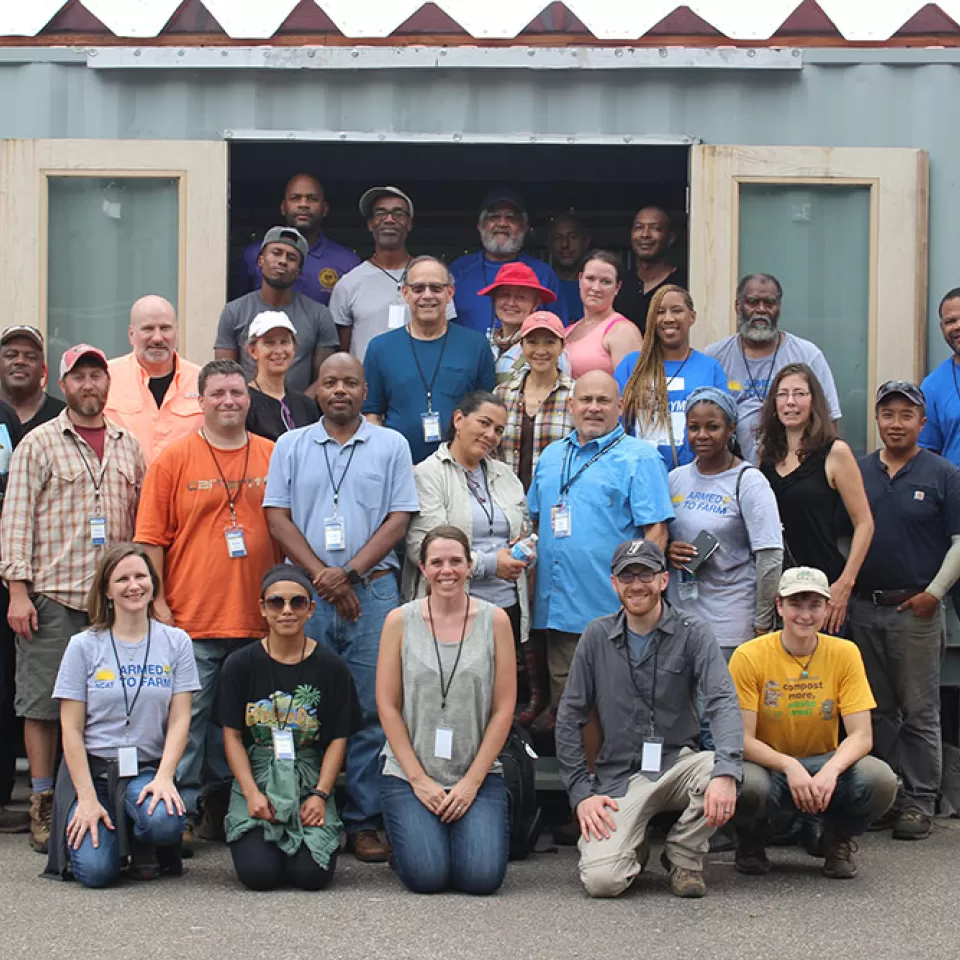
(520, 778)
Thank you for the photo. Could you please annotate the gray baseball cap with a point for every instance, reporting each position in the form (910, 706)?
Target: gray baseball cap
(375, 193)
(644, 553)
(291, 237)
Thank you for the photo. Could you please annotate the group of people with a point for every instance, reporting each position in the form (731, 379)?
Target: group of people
(229, 584)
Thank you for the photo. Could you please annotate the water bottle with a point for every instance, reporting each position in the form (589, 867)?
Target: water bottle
(525, 549)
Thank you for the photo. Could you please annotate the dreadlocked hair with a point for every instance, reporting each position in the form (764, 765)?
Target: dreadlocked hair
(645, 401)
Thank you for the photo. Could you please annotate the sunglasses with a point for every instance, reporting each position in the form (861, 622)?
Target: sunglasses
(418, 288)
(627, 577)
(277, 604)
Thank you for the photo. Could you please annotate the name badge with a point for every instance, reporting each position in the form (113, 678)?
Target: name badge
(396, 316)
(98, 531)
(128, 762)
(688, 587)
(283, 748)
(334, 536)
(431, 427)
(560, 520)
(236, 547)
(652, 755)
(443, 744)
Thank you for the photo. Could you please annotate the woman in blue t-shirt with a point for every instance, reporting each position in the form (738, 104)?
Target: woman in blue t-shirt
(125, 687)
(656, 381)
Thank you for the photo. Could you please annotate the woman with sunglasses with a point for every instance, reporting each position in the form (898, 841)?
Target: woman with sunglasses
(815, 477)
(287, 707)
(274, 409)
(446, 691)
(125, 686)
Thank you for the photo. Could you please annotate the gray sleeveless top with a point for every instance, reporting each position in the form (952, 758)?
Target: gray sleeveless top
(469, 699)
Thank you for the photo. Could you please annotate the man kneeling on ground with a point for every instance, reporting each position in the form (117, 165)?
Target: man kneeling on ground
(794, 686)
(641, 669)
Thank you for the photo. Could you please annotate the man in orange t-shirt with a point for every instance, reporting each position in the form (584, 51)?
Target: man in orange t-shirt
(201, 519)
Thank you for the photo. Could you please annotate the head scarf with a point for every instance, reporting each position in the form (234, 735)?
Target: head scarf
(716, 396)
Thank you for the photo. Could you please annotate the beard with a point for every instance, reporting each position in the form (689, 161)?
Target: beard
(757, 333)
(280, 283)
(499, 245)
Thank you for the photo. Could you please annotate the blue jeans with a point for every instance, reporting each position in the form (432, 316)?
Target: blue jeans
(864, 792)
(203, 766)
(359, 645)
(429, 856)
(100, 866)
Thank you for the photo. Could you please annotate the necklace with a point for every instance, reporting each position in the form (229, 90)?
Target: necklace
(804, 667)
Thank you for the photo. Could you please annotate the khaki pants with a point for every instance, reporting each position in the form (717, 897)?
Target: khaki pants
(608, 867)
(560, 650)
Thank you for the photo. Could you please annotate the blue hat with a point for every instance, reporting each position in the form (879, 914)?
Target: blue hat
(504, 195)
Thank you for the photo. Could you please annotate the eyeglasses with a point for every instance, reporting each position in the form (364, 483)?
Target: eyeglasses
(626, 577)
(395, 213)
(418, 288)
(276, 604)
(784, 395)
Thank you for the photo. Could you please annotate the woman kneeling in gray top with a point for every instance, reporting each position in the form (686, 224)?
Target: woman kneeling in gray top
(446, 691)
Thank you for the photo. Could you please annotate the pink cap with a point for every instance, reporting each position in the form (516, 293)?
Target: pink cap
(75, 354)
(543, 320)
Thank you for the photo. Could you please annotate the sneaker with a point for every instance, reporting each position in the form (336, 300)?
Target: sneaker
(143, 861)
(751, 857)
(187, 841)
(367, 846)
(41, 814)
(14, 821)
(886, 821)
(683, 882)
(912, 825)
(838, 852)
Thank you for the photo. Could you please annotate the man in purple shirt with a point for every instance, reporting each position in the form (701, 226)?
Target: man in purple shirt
(303, 207)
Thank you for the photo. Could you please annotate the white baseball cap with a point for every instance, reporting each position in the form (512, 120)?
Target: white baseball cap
(269, 320)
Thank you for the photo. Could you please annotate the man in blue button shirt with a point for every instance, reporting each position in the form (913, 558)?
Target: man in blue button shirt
(339, 497)
(941, 387)
(503, 226)
(896, 613)
(590, 491)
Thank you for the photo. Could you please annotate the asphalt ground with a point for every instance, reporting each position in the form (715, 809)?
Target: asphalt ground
(903, 905)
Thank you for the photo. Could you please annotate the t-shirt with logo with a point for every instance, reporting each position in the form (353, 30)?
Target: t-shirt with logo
(800, 716)
(316, 699)
(89, 674)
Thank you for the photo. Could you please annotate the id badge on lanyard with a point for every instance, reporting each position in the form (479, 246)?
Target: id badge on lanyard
(128, 762)
(98, 531)
(283, 748)
(236, 545)
(334, 534)
(651, 757)
(560, 520)
(431, 426)
(443, 743)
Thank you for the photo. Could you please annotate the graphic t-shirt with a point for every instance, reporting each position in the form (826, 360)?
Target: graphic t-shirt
(184, 509)
(800, 716)
(88, 673)
(315, 699)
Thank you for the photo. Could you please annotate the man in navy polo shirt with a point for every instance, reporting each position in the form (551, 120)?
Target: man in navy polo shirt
(304, 207)
(503, 226)
(896, 613)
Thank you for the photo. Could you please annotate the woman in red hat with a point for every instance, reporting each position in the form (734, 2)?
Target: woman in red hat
(516, 293)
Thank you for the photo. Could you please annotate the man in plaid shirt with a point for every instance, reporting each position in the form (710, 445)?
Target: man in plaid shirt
(72, 490)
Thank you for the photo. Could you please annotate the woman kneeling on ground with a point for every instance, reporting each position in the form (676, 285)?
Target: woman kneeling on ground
(287, 707)
(446, 691)
(124, 688)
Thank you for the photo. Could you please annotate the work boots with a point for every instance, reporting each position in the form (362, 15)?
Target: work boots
(535, 667)
(41, 815)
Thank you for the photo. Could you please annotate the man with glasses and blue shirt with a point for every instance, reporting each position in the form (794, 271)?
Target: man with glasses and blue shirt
(339, 497)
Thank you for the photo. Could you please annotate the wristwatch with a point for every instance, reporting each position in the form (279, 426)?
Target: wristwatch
(322, 794)
(353, 578)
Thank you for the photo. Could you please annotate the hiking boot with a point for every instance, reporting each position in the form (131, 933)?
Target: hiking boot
(813, 837)
(534, 665)
(170, 859)
(14, 821)
(838, 852)
(143, 861)
(187, 841)
(683, 882)
(367, 846)
(215, 805)
(912, 825)
(885, 822)
(751, 857)
(41, 813)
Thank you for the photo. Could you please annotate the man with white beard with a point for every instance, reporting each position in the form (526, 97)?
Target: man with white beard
(752, 357)
(503, 225)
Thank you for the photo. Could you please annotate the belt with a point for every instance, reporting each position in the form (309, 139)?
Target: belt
(376, 575)
(887, 598)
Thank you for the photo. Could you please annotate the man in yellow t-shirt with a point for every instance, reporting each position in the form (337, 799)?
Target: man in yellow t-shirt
(794, 686)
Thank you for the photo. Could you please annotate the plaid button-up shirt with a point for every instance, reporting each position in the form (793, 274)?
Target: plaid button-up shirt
(552, 422)
(45, 537)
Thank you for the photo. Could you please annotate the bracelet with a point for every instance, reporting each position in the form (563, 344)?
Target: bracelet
(322, 794)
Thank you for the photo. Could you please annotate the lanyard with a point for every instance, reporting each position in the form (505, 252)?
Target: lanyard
(565, 485)
(273, 696)
(652, 702)
(231, 500)
(682, 365)
(97, 481)
(336, 486)
(753, 381)
(474, 489)
(128, 705)
(445, 689)
(428, 387)
(397, 280)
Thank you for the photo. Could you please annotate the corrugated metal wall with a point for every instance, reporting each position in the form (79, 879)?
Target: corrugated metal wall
(870, 104)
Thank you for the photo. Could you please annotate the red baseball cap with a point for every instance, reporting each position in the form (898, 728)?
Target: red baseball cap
(543, 320)
(75, 354)
(518, 275)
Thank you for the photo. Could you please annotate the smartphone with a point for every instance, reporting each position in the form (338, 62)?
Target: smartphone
(706, 545)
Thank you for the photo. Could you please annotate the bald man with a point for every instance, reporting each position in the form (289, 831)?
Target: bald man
(348, 550)
(153, 390)
(590, 492)
(304, 206)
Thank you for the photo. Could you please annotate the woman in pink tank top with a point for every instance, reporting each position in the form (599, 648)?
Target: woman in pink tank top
(603, 337)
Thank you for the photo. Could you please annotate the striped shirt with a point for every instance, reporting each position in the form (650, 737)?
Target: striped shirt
(552, 421)
(45, 533)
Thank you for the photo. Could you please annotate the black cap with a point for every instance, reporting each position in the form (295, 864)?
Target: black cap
(644, 553)
(905, 388)
(503, 195)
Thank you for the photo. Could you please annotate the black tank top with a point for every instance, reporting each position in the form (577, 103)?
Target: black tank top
(808, 511)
